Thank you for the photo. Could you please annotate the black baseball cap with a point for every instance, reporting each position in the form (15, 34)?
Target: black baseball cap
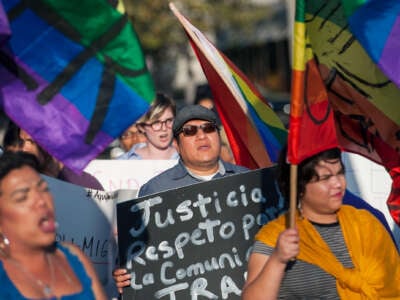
(192, 112)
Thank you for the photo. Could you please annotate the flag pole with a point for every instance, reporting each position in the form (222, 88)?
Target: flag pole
(296, 104)
(293, 196)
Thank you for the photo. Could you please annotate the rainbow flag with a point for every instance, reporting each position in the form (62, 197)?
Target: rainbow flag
(254, 131)
(376, 25)
(73, 75)
(311, 125)
(361, 114)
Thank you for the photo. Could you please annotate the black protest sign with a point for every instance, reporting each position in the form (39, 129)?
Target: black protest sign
(193, 242)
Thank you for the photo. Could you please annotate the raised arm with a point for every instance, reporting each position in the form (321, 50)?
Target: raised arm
(265, 273)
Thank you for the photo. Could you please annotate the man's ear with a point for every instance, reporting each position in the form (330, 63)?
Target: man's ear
(175, 144)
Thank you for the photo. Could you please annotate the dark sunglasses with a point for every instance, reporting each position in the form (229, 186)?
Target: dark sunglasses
(191, 130)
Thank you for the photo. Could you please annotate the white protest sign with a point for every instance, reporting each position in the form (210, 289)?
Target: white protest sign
(126, 174)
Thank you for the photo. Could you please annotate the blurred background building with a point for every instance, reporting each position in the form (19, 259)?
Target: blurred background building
(254, 34)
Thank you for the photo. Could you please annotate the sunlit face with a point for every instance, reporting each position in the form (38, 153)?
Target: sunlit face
(323, 195)
(130, 137)
(29, 145)
(200, 151)
(26, 209)
(160, 138)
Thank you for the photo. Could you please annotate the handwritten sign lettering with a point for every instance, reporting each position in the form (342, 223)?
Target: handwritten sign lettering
(194, 242)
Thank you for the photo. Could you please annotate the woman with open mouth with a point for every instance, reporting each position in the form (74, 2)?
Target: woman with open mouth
(156, 126)
(32, 264)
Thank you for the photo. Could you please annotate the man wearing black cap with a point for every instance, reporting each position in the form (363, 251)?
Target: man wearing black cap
(199, 144)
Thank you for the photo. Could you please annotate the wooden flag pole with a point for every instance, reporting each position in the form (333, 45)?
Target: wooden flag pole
(293, 196)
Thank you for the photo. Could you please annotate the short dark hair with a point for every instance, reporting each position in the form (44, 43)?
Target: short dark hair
(305, 171)
(10, 161)
(47, 157)
(11, 136)
(203, 92)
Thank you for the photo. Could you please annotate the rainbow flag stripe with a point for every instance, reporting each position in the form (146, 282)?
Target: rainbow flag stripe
(311, 126)
(376, 25)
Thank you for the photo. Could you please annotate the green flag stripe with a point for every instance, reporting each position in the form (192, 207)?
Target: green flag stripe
(300, 11)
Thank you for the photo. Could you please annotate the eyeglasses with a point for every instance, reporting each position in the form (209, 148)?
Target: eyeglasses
(191, 130)
(157, 125)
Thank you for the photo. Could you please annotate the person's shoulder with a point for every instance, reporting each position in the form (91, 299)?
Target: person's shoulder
(123, 156)
(175, 155)
(157, 182)
(270, 231)
(133, 153)
(350, 209)
(232, 168)
(87, 266)
(158, 177)
(75, 250)
(139, 149)
(70, 247)
(168, 173)
(361, 214)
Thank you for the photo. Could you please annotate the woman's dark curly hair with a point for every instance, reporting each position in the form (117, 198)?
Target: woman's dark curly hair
(10, 161)
(305, 171)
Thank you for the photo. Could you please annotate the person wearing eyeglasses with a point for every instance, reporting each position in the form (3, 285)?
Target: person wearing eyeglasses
(156, 126)
(131, 137)
(199, 145)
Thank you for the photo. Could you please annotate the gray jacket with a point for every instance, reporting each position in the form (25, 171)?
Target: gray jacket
(178, 176)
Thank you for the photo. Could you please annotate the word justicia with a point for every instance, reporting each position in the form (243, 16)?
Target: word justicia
(187, 209)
